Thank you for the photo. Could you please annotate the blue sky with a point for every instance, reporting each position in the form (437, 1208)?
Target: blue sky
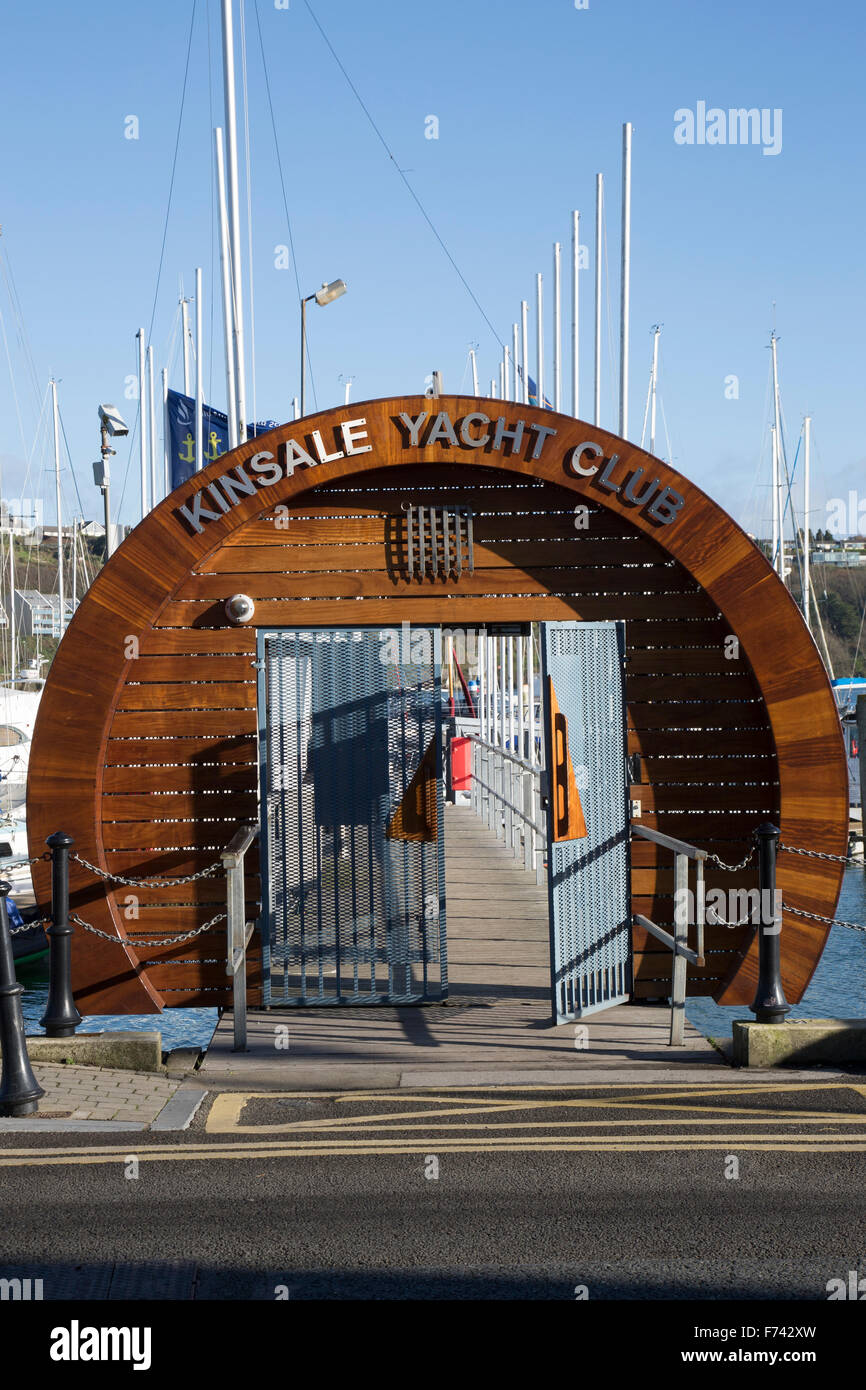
(530, 102)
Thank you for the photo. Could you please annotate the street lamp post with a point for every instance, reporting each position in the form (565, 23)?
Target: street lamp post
(111, 424)
(324, 296)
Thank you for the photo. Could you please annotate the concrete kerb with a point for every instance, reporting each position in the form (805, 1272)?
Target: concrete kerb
(121, 1050)
(800, 1042)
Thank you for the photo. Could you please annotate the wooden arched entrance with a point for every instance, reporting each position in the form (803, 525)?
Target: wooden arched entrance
(145, 745)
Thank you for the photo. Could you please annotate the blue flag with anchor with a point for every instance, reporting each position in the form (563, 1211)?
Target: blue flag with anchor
(533, 395)
(180, 422)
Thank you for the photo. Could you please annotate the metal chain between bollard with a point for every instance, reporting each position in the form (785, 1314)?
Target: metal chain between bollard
(134, 941)
(816, 917)
(147, 883)
(733, 868)
(819, 854)
(28, 926)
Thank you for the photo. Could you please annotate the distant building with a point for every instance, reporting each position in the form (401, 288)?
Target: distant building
(38, 615)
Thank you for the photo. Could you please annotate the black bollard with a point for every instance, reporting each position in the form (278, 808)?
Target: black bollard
(19, 1089)
(61, 1018)
(770, 1004)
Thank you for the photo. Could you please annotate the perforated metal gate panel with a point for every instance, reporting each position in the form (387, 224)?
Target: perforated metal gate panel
(353, 824)
(588, 878)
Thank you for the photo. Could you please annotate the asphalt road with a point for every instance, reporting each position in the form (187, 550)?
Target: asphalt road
(665, 1193)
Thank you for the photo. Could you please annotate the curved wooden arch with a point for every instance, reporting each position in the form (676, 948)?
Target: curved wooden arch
(96, 660)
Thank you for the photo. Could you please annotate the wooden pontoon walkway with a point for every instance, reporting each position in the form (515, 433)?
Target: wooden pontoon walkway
(496, 1023)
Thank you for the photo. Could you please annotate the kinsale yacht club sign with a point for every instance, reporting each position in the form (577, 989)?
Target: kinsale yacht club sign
(434, 433)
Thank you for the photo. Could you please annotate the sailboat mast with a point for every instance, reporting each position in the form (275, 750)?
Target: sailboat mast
(539, 335)
(655, 376)
(575, 316)
(557, 325)
(234, 214)
(60, 589)
(599, 206)
(775, 541)
(807, 547)
(625, 283)
(142, 422)
(184, 315)
(225, 258)
(13, 655)
(778, 525)
(199, 373)
(74, 562)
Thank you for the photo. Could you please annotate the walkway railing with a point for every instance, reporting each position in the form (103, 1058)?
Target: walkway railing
(506, 794)
(239, 930)
(678, 943)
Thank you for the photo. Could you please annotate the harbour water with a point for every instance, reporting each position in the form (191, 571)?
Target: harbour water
(837, 990)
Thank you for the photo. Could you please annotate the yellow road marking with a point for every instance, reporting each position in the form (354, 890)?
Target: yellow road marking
(228, 1107)
(371, 1148)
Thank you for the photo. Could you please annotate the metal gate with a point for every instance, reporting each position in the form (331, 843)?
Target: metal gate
(352, 809)
(587, 821)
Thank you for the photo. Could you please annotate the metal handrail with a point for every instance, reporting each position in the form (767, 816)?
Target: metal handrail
(507, 793)
(682, 953)
(238, 930)
(678, 846)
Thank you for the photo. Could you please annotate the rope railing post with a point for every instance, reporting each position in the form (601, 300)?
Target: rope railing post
(769, 1004)
(19, 1089)
(61, 1017)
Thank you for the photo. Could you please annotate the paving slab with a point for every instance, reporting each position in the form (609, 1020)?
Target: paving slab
(90, 1096)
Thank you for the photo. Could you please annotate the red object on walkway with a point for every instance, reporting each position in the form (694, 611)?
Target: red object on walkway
(461, 764)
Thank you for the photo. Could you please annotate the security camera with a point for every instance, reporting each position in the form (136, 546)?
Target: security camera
(239, 608)
(113, 420)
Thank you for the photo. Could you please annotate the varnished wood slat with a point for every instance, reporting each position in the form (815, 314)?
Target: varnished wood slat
(660, 879)
(648, 989)
(189, 752)
(661, 631)
(664, 797)
(217, 723)
(697, 715)
(191, 902)
(189, 696)
(437, 609)
(198, 778)
(190, 666)
(198, 804)
(598, 538)
(233, 641)
(643, 688)
(207, 998)
(148, 836)
(676, 661)
(200, 974)
(709, 771)
(716, 939)
(176, 863)
(284, 558)
(732, 741)
(699, 827)
(369, 583)
(657, 966)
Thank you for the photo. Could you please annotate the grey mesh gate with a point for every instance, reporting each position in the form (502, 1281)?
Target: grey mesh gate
(588, 836)
(354, 881)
